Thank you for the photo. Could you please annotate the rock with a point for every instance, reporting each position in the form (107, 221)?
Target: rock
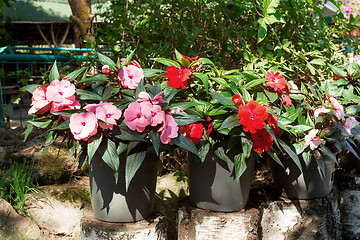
(59, 209)
(15, 226)
(151, 229)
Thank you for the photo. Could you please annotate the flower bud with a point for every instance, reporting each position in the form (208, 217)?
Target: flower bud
(237, 100)
(105, 69)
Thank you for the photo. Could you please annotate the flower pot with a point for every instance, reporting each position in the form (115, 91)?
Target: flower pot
(348, 161)
(213, 186)
(111, 202)
(311, 183)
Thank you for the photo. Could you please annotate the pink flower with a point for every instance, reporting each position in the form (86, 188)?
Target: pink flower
(131, 76)
(312, 140)
(91, 107)
(144, 96)
(105, 69)
(108, 113)
(318, 111)
(350, 123)
(338, 109)
(134, 118)
(61, 92)
(152, 113)
(40, 104)
(83, 125)
(286, 100)
(169, 129)
(58, 107)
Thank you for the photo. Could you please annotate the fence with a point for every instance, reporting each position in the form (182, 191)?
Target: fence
(21, 66)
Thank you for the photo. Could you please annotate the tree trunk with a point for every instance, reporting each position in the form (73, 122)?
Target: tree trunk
(83, 21)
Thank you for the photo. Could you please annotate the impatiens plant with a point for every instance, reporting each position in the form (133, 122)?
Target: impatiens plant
(115, 112)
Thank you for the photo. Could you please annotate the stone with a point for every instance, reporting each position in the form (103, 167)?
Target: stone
(15, 226)
(150, 229)
(199, 224)
(57, 210)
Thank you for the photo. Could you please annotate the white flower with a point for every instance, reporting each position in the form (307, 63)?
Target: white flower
(313, 140)
(338, 109)
(350, 123)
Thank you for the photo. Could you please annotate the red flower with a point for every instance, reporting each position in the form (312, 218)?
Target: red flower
(194, 131)
(273, 122)
(252, 116)
(276, 82)
(191, 59)
(237, 100)
(177, 77)
(336, 77)
(286, 100)
(209, 130)
(262, 141)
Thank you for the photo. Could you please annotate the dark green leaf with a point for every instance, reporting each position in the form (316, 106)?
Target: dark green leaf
(155, 139)
(30, 88)
(307, 157)
(93, 147)
(73, 75)
(327, 151)
(182, 119)
(105, 60)
(222, 99)
(167, 62)
(28, 131)
(230, 122)
(291, 153)
(276, 158)
(41, 122)
(337, 71)
(254, 83)
(152, 72)
(220, 152)
(183, 142)
(204, 79)
(121, 148)
(128, 59)
(61, 126)
(133, 163)
(88, 95)
(95, 78)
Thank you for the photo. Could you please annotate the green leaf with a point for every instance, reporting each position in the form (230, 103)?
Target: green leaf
(220, 152)
(299, 147)
(30, 88)
(311, 68)
(222, 82)
(62, 126)
(105, 60)
(152, 72)
(54, 73)
(167, 62)
(128, 59)
(262, 31)
(88, 95)
(276, 158)
(321, 164)
(122, 147)
(183, 142)
(254, 83)
(239, 165)
(327, 151)
(182, 119)
(269, 6)
(93, 147)
(73, 75)
(28, 131)
(180, 58)
(337, 71)
(290, 152)
(155, 139)
(41, 122)
(245, 94)
(128, 135)
(110, 156)
(204, 147)
(204, 79)
(289, 116)
(318, 61)
(230, 122)
(222, 99)
(206, 61)
(307, 156)
(298, 129)
(95, 78)
(133, 163)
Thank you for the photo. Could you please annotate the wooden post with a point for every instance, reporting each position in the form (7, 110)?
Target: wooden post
(348, 188)
(151, 229)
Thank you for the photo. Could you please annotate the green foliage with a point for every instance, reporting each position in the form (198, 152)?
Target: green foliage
(15, 183)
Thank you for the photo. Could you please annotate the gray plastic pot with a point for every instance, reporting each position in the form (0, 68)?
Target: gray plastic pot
(111, 202)
(213, 186)
(311, 183)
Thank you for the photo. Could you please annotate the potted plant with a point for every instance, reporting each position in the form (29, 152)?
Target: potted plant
(345, 84)
(237, 125)
(116, 121)
(317, 127)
